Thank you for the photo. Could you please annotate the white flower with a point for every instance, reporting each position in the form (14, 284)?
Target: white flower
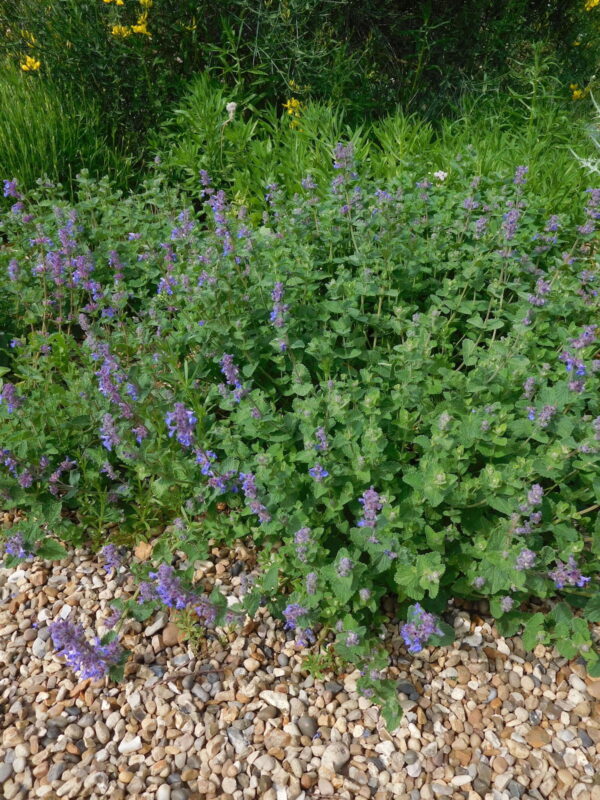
(231, 109)
(440, 175)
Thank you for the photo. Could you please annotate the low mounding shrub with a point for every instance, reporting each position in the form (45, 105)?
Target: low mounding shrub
(392, 389)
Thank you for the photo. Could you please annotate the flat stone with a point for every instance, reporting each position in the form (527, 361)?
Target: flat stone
(127, 746)
(537, 737)
(276, 699)
(163, 792)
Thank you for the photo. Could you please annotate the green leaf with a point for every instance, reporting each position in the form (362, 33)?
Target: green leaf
(51, 550)
(533, 632)
(592, 608)
(270, 582)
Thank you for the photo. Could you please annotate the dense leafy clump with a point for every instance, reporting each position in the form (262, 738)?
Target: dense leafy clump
(392, 389)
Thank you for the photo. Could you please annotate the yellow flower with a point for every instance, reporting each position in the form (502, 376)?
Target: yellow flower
(293, 107)
(30, 64)
(140, 26)
(122, 31)
(576, 43)
(29, 38)
(591, 4)
(146, 3)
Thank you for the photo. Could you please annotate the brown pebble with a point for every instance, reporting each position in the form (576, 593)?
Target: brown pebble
(537, 737)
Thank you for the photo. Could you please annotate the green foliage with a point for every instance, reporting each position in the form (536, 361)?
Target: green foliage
(392, 386)
(46, 132)
(255, 148)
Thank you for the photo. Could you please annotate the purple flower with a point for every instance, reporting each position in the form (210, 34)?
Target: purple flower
(140, 432)
(181, 422)
(91, 660)
(372, 504)
(251, 494)
(15, 546)
(506, 603)
(553, 223)
(279, 309)
(478, 582)
(147, 592)
(10, 398)
(111, 557)
(302, 540)
(568, 574)
(108, 432)
(511, 222)
(525, 560)
(204, 458)
(13, 269)
(232, 375)
(207, 611)
(306, 638)
(352, 639)
(292, 613)
(535, 494)
(529, 388)
(169, 588)
(365, 595)
(419, 629)
(480, 226)
(25, 479)
(318, 472)
(345, 567)
(10, 189)
(520, 174)
(311, 583)
(546, 415)
(113, 618)
(322, 443)
(343, 156)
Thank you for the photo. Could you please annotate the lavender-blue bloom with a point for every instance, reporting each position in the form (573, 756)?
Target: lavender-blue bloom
(111, 556)
(419, 629)
(535, 494)
(108, 432)
(169, 588)
(90, 660)
(345, 567)
(205, 458)
(181, 422)
(15, 546)
(568, 574)
(371, 503)
(525, 560)
(352, 639)
(302, 540)
(292, 613)
(322, 443)
(506, 604)
(318, 472)
(10, 398)
(311, 583)
(520, 175)
(529, 388)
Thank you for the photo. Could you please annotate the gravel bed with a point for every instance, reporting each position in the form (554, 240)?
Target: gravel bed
(239, 717)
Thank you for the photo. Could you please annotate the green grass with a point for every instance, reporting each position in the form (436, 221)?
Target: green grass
(47, 133)
(489, 133)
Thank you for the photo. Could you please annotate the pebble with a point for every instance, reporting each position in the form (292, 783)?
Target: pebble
(335, 756)
(242, 719)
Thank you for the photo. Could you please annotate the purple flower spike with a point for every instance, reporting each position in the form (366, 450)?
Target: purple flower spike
(111, 556)
(372, 504)
(419, 629)
(292, 613)
(15, 546)
(345, 567)
(91, 660)
(10, 398)
(568, 574)
(181, 424)
(318, 473)
(169, 588)
(525, 560)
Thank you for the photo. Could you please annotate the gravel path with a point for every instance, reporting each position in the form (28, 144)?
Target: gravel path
(239, 718)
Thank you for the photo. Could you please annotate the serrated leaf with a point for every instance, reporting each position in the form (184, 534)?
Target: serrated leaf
(51, 550)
